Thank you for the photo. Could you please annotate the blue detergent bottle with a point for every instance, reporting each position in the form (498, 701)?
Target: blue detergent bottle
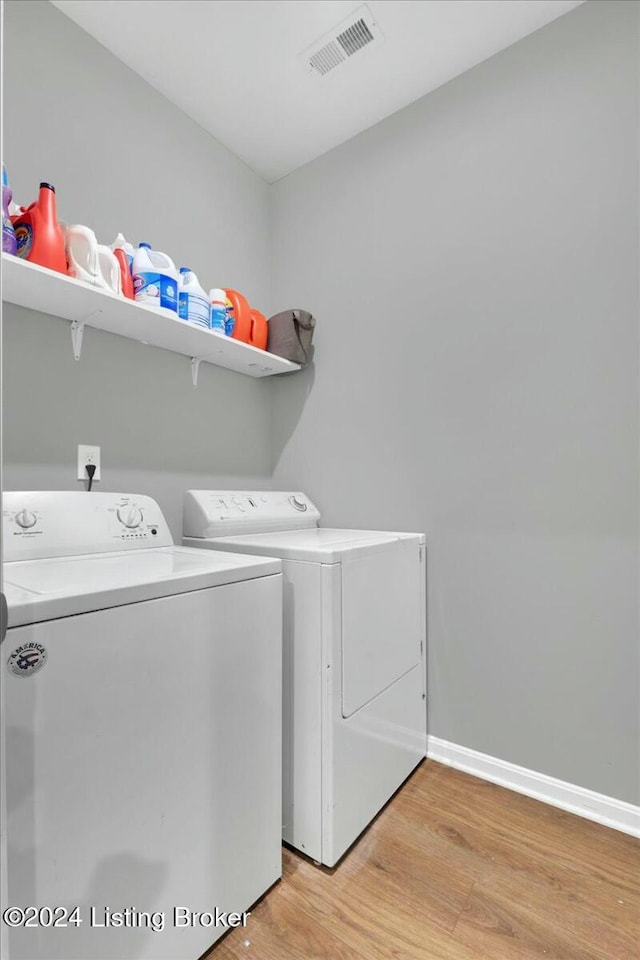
(9, 244)
(218, 301)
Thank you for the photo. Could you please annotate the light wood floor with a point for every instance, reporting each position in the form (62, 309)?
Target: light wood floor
(456, 869)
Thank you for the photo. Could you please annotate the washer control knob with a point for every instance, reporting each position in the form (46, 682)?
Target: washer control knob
(26, 519)
(298, 504)
(131, 517)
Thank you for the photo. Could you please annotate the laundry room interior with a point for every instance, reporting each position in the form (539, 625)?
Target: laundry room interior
(415, 477)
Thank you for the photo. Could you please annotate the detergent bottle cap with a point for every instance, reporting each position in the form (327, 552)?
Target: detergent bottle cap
(49, 186)
(185, 269)
(119, 242)
(217, 296)
(5, 178)
(147, 246)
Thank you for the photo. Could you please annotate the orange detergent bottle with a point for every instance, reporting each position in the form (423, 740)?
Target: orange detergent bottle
(259, 330)
(242, 314)
(39, 236)
(126, 280)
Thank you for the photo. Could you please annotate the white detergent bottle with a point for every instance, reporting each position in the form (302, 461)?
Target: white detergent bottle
(109, 268)
(82, 254)
(89, 260)
(193, 303)
(155, 279)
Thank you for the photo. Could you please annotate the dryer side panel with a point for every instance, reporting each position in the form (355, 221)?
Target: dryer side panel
(302, 708)
(381, 620)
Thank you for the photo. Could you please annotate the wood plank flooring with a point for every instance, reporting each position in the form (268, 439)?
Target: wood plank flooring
(455, 868)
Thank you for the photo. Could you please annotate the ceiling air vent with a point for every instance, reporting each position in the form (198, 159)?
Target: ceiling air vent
(355, 37)
(350, 36)
(327, 57)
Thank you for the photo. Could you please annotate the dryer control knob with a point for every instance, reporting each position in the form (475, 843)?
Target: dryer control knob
(26, 519)
(130, 516)
(298, 504)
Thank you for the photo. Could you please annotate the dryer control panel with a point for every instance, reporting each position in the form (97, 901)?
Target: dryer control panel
(230, 513)
(38, 524)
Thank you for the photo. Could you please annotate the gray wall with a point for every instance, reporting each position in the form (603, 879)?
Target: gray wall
(473, 262)
(123, 158)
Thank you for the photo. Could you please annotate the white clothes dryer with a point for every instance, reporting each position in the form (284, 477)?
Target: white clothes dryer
(142, 689)
(354, 684)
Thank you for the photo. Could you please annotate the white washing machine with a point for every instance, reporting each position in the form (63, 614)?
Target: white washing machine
(355, 716)
(142, 690)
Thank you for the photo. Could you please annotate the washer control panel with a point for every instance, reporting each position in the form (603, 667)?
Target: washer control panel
(38, 524)
(25, 519)
(221, 513)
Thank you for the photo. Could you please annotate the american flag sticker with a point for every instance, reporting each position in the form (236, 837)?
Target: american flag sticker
(27, 659)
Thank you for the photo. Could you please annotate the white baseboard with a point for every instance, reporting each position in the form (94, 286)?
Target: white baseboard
(585, 803)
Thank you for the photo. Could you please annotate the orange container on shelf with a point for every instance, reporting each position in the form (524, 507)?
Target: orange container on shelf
(39, 235)
(126, 280)
(259, 330)
(242, 315)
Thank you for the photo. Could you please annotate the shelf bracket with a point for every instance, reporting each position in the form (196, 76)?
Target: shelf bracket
(195, 369)
(77, 329)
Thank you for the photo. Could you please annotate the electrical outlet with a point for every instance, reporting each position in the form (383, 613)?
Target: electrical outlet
(88, 455)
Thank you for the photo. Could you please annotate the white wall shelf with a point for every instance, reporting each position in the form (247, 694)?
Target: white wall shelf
(37, 288)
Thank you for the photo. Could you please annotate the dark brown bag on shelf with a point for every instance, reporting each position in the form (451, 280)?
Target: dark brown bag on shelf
(290, 335)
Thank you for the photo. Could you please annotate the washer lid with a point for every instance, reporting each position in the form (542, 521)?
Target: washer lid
(39, 590)
(317, 545)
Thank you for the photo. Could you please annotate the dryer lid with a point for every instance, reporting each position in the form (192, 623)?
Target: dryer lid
(319, 545)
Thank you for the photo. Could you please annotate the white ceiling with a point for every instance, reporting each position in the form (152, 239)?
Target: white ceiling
(234, 66)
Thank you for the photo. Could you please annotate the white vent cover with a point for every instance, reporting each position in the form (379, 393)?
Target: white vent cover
(357, 31)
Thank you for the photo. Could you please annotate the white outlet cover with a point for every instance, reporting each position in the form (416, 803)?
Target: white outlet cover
(87, 455)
